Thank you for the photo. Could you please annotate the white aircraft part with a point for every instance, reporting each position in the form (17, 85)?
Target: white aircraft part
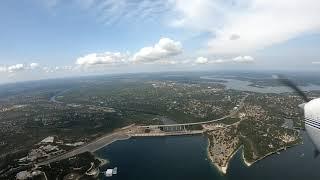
(312, 121)
(302, 105)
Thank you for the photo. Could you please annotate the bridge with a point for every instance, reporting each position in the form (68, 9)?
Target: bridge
(140, 131)
(176, 133)
(182, 126)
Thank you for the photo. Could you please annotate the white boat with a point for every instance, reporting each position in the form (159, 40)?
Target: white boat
(115, 170)
(108, 172)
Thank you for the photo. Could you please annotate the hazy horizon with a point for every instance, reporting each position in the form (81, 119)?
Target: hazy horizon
(55, 38)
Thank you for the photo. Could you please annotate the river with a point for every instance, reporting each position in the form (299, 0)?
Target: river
(54, 97)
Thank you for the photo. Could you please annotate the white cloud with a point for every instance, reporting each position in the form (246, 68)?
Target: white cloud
(34, 65)
(57, 69)
(159, 53)
(165, 48)
(204, 60)
(315, 62)
(107, 58)
(16, 67)
(3, 69)
(238, 59)
(48, 69)
(167, 62)
(245, 26)
(68, 68)
(201, 60)
(243, 59)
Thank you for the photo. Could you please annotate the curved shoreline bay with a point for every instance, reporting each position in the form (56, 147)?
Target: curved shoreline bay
(185, 157)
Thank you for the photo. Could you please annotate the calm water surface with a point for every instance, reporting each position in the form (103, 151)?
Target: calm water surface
(185, 157)
(244, 86)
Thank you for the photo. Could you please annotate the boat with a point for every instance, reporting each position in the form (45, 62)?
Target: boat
(115, 171)
(108, 172)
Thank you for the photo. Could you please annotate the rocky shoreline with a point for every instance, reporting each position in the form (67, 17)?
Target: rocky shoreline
(102, 161)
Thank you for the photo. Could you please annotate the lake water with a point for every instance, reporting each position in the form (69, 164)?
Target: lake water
(185, 157)
(244, 86)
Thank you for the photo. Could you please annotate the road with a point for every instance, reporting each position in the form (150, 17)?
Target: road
(178, 133)
(123, 134)
(203, 122)
(91, 147)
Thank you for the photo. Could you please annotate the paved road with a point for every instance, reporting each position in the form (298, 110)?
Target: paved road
(202, 122)
(177, 133)
(91, 147)
(121, 135)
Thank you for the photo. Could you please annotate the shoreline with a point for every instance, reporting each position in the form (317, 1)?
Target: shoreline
(221, 169)
(92, 146)
(248, 164)
(102, 160)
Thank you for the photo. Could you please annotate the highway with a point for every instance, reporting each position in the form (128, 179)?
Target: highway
(203, 122)
(123, 134)
(178, 133)
(91, 147)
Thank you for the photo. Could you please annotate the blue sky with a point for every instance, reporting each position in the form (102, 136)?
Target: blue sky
(58, 38)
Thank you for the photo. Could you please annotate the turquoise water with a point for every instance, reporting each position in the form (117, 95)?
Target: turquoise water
(185, 157)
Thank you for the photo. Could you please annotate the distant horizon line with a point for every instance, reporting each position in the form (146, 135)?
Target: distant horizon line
(305, 71)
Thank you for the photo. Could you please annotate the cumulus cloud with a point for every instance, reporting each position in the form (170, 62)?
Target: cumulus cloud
(244, 26)
(48, 69)
(165, 48)
(243, 59)
(107, 58)
(238, 59)
(34, 65)
(16, 67)
(201, 60)
(204, 60)
(160, 53)
(56, 69)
